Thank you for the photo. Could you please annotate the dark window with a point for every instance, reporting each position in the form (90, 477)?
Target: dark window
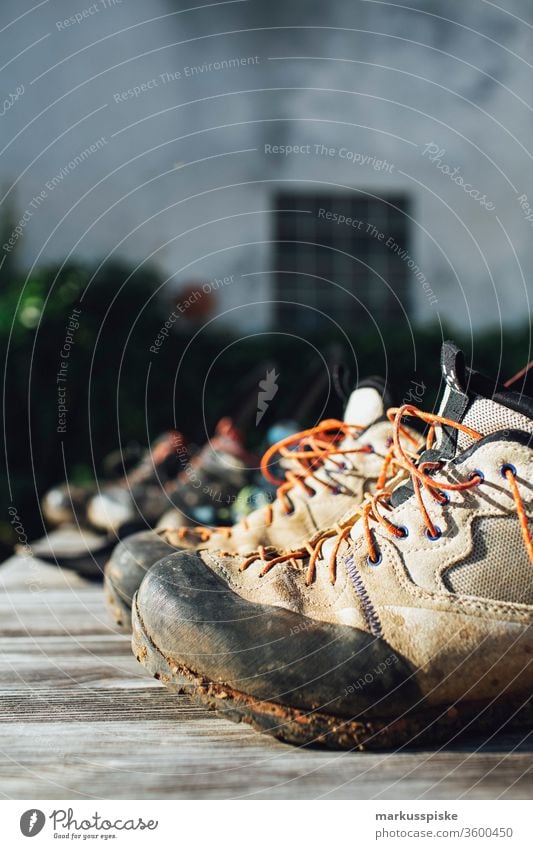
(343, 256)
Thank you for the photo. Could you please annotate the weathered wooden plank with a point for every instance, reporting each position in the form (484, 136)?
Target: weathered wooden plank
(80, 719)
(200, 757)
(28, 572)
(68, 612)
(92, 704)
(53, 646)
(45, 662)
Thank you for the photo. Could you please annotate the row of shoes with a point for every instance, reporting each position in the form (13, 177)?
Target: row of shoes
(383, 598)
(175, 482)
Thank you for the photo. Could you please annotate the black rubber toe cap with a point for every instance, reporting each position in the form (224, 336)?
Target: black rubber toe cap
(131, 559)
(267, 652)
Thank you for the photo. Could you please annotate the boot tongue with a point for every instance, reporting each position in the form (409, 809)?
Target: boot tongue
(477, 402)
(455, 399)
(367, 403)
(473, 400)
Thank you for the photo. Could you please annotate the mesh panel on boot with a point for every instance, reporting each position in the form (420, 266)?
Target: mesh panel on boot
(487, 417)
(498, 567)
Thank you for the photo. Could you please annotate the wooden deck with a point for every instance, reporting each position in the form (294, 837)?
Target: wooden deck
(80, 719)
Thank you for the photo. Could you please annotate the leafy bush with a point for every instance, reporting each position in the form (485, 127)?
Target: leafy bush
(117, 390)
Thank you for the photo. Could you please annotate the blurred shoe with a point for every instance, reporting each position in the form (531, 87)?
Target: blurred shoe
(207, 482)
(249, 499)
(141, 495)
(210, 480)
(330, 469)
(261, 491)
(406, 626)
(67, 503)
(83, 545)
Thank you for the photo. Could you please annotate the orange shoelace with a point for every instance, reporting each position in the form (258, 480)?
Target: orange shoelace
(371, 509)
(307, 450)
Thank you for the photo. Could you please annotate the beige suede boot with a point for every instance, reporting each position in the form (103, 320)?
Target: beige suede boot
(330, 469)
(405, 626)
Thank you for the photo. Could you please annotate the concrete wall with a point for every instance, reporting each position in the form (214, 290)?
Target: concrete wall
(441, 91)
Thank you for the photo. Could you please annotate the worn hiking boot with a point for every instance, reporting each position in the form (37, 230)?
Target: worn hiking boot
(67, 503)
(196, 484)
(405, 626)
(142, 493)
(210, 479)
(332, 469)
(170, 473)
(81, 544)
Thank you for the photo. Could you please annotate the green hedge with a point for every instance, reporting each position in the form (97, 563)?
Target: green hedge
(117, 325)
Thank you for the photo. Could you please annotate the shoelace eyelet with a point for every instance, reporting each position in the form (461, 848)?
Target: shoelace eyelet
(374, 563)
(476, 473)
(508, 467)
(311, 494)
(404, 530)
(438, 534)
(445, 498)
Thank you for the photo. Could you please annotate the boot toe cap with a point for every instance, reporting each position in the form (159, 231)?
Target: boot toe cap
(130, 561)
(270, 653)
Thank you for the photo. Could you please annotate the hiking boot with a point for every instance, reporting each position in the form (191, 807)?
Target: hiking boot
(67, 503)
(141, 494)
(332, 469)
(406, 626)
(210, 480)
(81, 544)
(213, 475)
